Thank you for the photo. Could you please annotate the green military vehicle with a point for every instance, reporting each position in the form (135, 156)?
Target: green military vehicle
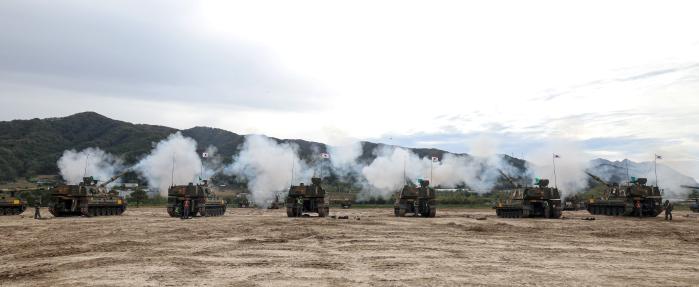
(694, 201)
(416, 200)
(342, 199)
(86, 198)
(10, 204)
(574, 202)
(537, 201)
(303, 199)
(242, 200)
(635, 199)
(202, 200)
(274, 204)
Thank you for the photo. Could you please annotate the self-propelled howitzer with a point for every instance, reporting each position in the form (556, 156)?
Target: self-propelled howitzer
(537, 201)
(303, 199)
(86, 198)
(416, 200)
(200, 198)
(10, 203)
(634, 199)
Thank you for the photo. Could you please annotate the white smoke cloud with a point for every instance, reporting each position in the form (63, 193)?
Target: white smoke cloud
(174, 160)
(93, 162)
(343, 158)
(394, 166)
(570, 166)
(267, 167)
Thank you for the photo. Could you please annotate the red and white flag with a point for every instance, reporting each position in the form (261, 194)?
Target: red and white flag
(325, 155)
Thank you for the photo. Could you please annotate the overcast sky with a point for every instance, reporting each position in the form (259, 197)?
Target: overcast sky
(612, 79)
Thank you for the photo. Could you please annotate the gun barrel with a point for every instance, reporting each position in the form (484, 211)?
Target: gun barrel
(22, 189)
(509, 179)
(689, 186)
(597, 178)
(113, 178)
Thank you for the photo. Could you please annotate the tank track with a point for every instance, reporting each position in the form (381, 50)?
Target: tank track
(606, 210)
(90, 211)
(11, 210)
(400, 212)
(213, 211)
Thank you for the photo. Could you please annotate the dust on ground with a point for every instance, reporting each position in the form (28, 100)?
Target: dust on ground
(254, 247)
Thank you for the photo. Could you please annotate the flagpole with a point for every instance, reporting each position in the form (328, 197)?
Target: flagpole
(655, 167)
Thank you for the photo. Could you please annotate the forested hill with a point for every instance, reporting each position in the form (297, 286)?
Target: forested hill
(32, 147)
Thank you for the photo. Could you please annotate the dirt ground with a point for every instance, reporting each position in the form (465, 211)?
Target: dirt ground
(252, 247)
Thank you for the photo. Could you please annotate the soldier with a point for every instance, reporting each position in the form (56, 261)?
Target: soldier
(668, 209)
(37, 207)
(185, 212)
(637, 205)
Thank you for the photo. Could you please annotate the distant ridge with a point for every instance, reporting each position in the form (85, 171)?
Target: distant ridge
(32, 147)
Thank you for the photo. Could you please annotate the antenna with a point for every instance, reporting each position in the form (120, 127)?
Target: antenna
(172, 176)
(405, 180)
(292, 171)
(87, 158)
(655, 165)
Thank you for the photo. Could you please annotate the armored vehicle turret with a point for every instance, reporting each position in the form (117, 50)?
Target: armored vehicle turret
(202, 200)
(10, 203)
(86, 198)
(537, 201)
(418, 201)
(303, 199)
(634, 199)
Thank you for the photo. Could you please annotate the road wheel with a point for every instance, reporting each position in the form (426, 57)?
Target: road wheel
(547, 212)
(289, 212)
(433, 212)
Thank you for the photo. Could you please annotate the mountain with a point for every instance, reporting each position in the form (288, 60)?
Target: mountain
(32, 147)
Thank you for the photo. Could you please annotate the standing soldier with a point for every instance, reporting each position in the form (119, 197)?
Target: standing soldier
(668, 209)
(638, 208)
(185, 212)
(37, 207)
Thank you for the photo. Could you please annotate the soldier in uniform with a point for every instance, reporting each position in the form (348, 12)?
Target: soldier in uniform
(185, 212)
(37, 208)
(668, 210)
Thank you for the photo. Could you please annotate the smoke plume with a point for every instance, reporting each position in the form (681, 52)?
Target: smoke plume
(93, 162)
(174, 160)
(267, 167)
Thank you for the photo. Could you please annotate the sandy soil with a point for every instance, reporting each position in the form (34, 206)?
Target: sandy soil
(250, 247)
